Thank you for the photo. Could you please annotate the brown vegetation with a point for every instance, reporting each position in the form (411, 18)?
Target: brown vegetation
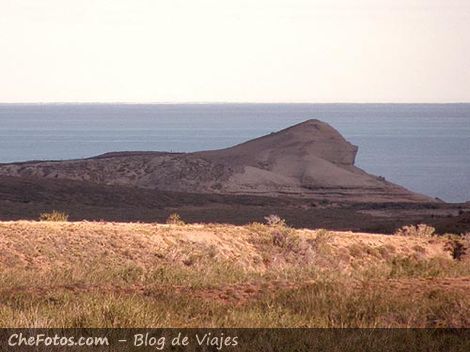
(54, 216)
(98, 274)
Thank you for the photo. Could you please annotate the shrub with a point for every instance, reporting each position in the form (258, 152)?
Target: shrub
(459, 246)
(274, 220)
(421, 230)
(322, 240)
(258, 228)
(279, 238)
(175, 219)
(323, 235)
(387, 251)
(288, 241)
(415, 267)
(358, 250)
(54, 216)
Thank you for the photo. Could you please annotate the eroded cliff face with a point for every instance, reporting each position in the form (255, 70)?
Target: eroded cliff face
(310, 159)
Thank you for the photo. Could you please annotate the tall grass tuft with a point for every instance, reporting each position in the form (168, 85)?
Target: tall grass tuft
(54, 216)
(175, 219)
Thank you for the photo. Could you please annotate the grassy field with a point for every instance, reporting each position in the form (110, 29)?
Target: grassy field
(99, 274)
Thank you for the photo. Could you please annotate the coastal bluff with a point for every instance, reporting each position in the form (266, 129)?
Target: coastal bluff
(308, 160)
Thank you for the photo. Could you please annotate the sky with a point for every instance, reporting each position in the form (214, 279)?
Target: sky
(235, 51)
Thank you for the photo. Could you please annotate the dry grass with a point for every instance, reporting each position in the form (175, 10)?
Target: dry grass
(90, 274)
(174, 219)
(420, 230)
(54, 216)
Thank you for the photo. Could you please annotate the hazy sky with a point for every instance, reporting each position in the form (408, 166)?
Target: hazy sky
(235, 50)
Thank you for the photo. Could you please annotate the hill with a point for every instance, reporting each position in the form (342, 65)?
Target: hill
(100, 274)
(309, 160)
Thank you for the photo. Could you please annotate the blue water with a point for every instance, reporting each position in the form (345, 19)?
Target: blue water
(425, 148)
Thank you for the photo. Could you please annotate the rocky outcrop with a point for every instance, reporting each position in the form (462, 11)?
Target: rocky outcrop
(310, 159)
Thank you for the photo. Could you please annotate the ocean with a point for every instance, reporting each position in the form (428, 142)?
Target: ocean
(424, 147)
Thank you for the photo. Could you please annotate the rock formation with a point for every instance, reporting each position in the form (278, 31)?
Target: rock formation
(310, 159)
